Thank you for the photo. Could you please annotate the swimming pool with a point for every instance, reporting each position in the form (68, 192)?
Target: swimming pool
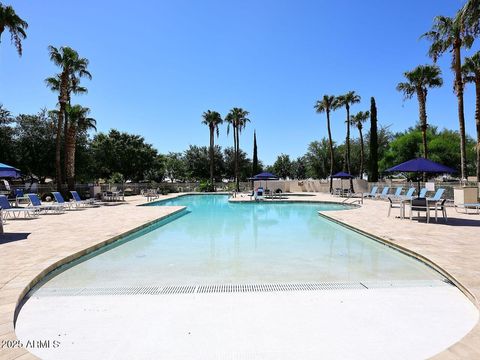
(215, 242)
(230, 281)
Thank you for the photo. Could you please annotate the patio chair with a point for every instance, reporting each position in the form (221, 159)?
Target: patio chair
(395, 205)
(12, 212)
(60, 200)
(78, 200)
(425, 205)
(383, 194)
(372, 193)
(259, 194)
(37, 204)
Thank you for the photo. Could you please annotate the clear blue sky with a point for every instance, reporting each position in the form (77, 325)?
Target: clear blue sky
(158, 65)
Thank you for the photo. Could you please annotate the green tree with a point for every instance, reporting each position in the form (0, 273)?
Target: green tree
(244, 164)
(175, 166)
(119, 152)
(450, 34)
(317, 159)
(358, 120)
(373, 143)
(72, 67)
(419, 80)
(299, 169)
(347, 100)
(10, 21)
(255, 165)
(212, 119)
(471, 73)
(326, 105)
(283, 166)
(78, 121)
(7, 133)
(34, 145)
(237, 118)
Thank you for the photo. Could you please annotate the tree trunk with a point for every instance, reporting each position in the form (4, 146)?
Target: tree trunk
(477, 122)
(461, 116)
(361, 152)
(422, 101)
(212, 131)
(237, 151)
(58, 148)
(70, 148)
(331, 150)
(347, 143)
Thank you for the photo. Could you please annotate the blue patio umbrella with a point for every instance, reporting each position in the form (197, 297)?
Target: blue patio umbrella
(7, 171)
(342, 175)
(263, 176)
(421, 165)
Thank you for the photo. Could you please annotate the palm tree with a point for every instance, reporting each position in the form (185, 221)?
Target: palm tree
(74, 87)
(418, 81)
(326, 105)
(347, 100)
(15, 25)
(212, 119)
(357, 120)
(471, 74)
(237, 117)
(78, 121)
(470, 16)
(451, 34)
(73, 68)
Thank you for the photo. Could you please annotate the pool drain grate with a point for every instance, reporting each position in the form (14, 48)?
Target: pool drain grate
(234, 288)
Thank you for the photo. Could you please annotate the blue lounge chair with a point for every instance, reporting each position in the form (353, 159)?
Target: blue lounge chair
(437, 196)
(372, 193)
(77, 199)
(12, 212)
(398, 192)
(37, 204)
(60, 200)
(383, 194)
(423, 192)
(409, 194)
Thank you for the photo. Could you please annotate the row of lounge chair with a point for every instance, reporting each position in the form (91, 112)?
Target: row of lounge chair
(36, 207)
(385, 193)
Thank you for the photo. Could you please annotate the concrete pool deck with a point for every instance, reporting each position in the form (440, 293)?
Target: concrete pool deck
(32, 246)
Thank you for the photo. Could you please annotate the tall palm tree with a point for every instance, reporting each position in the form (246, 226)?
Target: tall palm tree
(237, 118)
(471, 74)
(78, 121)
(212, 119)
(418, 81)
(54, 83)
(326, 105)
(15, 25)
(357, 120)
(451, 34)
(347, 100)
(73, 67)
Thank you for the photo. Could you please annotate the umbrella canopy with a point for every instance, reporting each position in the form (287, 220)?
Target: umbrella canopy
(264, 176)
(342, 175)
(7, 171)
(421, 165)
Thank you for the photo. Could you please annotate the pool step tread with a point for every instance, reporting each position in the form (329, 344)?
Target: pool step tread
(235, 288)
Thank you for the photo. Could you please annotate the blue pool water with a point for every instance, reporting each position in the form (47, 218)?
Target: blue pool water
(217, 242)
